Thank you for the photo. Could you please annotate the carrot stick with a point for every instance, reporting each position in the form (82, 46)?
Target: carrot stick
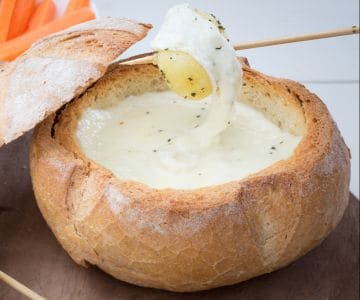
(6, 11)
(76, 4)
(44, 13)
(20, 18)
(11, 49)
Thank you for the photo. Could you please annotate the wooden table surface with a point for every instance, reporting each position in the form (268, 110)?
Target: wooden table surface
(30, 253)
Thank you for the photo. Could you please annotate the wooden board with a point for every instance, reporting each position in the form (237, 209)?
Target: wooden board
(30, 253)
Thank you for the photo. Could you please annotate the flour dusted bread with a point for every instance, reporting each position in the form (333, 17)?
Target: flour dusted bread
(193, 239)
(57, 68)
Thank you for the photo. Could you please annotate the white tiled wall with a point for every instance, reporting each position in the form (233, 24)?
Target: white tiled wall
(328, 67)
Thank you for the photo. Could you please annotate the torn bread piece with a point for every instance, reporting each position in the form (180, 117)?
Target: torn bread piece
(58, 68)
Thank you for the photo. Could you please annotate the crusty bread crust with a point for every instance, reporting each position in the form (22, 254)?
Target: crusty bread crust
(189, 240)
(57, 68)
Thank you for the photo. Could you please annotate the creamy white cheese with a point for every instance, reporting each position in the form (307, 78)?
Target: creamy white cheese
(184, 29)
(132, 137)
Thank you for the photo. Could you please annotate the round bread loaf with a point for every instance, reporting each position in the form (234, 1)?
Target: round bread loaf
(196, 239)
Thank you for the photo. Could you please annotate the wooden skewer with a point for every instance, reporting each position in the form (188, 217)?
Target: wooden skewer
(148, 58)
(300, 38)
(20, 287)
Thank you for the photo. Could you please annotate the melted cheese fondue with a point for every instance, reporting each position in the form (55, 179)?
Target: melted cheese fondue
(132, 137)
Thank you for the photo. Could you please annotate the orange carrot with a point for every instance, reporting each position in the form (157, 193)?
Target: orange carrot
(76, 4)
(44, 13)
(6, 11)
(11, 49)
(20, 18)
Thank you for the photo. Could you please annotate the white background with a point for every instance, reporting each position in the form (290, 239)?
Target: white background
(329, 67)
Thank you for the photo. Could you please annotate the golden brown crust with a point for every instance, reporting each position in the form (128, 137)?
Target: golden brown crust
(57, 68)
(187, 240)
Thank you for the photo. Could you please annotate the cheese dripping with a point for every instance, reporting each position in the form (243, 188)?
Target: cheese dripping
(201, 36)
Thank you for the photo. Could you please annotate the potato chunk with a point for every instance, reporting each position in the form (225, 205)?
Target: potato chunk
(184, 75)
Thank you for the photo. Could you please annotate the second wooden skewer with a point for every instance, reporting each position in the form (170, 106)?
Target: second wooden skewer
(148, 58)
(20, 287)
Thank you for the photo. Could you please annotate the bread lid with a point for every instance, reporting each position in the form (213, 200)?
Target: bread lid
(58, 68)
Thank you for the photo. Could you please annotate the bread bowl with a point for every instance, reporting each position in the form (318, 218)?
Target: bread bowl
(198, 238)
(170, 234)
